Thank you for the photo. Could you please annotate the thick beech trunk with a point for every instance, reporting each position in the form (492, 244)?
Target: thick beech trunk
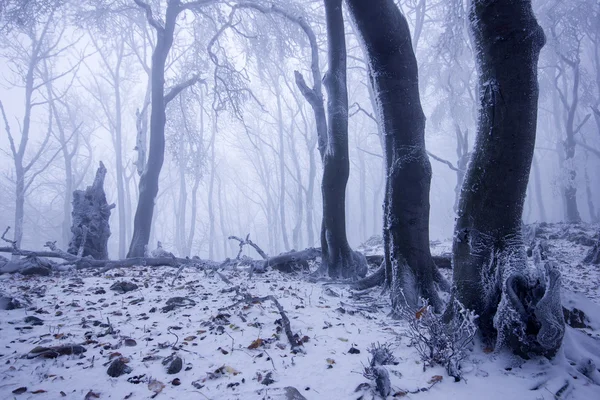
(408, 265)
(517, 307)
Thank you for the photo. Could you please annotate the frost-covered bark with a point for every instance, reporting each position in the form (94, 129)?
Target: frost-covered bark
(517, 307)
(148, 185)
(339, 260)
(394, 77)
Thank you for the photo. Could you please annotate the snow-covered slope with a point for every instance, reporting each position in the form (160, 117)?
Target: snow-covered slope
(241, 351)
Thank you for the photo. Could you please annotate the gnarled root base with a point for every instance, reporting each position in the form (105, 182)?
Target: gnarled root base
(350, 265)
(529, 318)
(375, 279)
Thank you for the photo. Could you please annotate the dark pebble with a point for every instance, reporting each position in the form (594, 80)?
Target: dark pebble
(118, 368)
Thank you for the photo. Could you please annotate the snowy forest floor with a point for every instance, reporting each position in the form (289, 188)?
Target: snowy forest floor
(242, 352)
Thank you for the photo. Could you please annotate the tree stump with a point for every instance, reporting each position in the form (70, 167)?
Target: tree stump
(90, 216)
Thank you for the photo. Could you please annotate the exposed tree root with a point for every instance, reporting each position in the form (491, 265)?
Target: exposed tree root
(375, 279)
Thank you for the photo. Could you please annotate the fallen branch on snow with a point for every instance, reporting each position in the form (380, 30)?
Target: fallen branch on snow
(285, 321)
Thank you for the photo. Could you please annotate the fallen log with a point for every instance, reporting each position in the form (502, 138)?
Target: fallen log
(293, 260)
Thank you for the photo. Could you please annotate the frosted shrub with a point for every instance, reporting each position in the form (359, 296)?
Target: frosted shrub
(440, 342)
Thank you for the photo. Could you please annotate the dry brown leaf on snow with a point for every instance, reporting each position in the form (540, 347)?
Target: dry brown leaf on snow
(256, 344)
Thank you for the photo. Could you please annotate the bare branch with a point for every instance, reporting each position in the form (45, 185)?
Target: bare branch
(581, 124)
(151, 20)
(443, 161)
(7, 127)
(175, 90)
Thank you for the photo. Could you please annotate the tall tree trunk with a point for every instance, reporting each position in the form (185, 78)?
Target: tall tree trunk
(310, 196)
(337, 256)
(409, 268)
(282, 219)
(362, 173)
(588, 192)
(156, 154)
(211, 186)
(119, 164)
(538, 190)
(515, 307)
(181, 236)
(224, 232)
(298, 200)
(570, 190)
(19, 201)
(560, 151)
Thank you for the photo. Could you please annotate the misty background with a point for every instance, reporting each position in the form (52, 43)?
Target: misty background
(242, 144)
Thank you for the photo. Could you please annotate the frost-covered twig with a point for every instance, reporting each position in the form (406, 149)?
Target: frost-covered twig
(439, 342)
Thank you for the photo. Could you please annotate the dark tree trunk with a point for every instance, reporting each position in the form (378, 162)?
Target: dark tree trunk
(91, 214)
(515, 307)
(149, 180)
(394, 76)
(337, 256)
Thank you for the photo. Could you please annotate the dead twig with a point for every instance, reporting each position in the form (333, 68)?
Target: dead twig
(249, 242)
(285, 321)
(13, 243)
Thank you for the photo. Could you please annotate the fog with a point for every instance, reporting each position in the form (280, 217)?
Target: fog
(241, 137)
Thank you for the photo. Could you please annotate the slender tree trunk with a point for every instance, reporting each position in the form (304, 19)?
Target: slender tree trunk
(286, 242)
(194, 213)
(19, 153)
(588, 192)
(181, 236)
(570, 191)
(119, 164)
(149, 179)
(559, 151)
(310, 196)
(362, 196)
(211, 186)
(538, 190)
(224, 232)
(298, 200)
(337, 256)
(491, 276)
(409, 268)
(19, 201)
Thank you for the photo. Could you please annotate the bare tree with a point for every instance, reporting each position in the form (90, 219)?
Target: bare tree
(113, 60)
(149, 180)
(408, 266)
(27, 49)
(515, 307)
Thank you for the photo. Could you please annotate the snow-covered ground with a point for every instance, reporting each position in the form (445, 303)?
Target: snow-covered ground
(241, 352)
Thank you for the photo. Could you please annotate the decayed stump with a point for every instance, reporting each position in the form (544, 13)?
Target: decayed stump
(90, 215)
